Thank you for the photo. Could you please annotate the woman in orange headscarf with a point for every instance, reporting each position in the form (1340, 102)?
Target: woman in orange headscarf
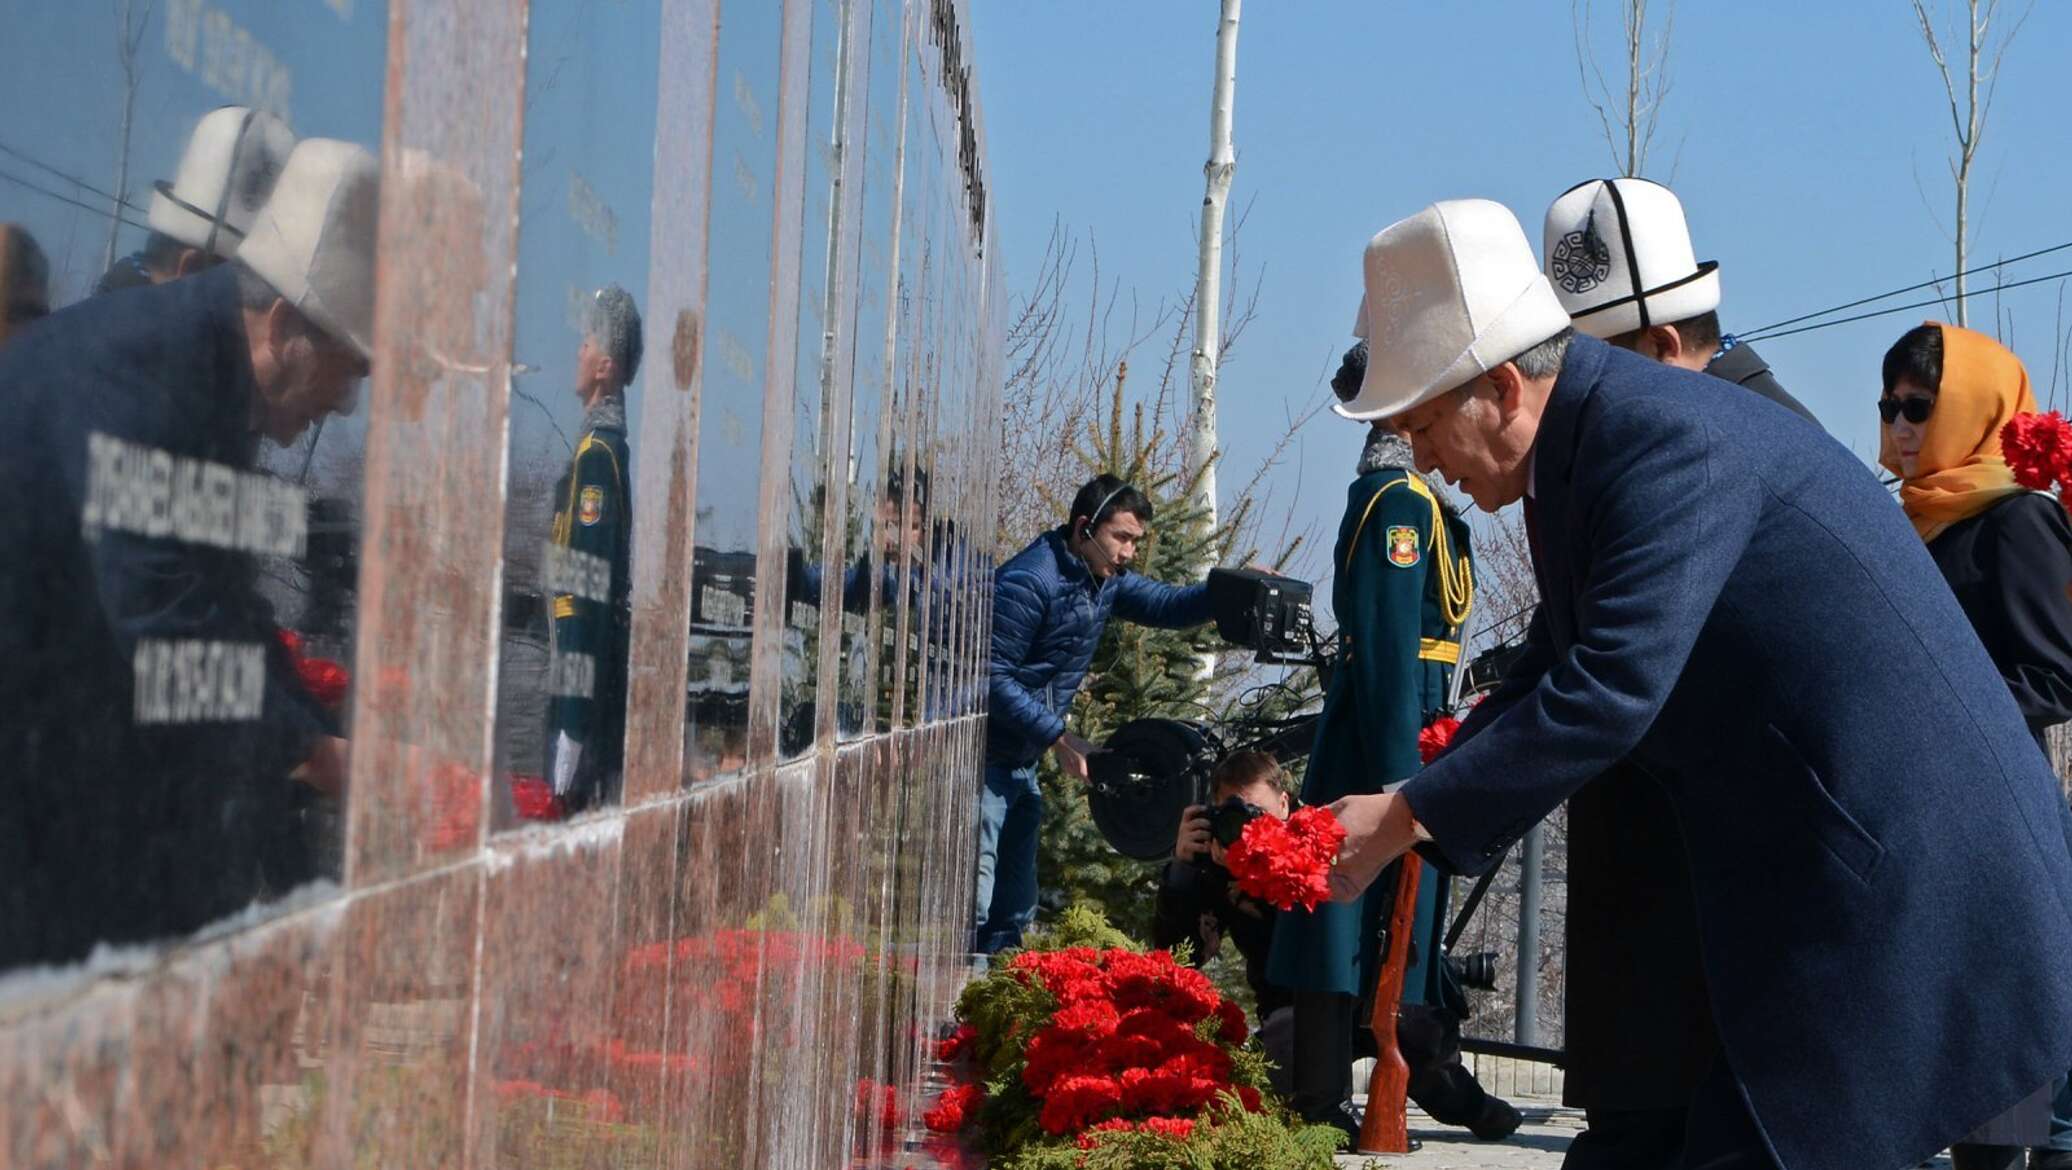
(2007, 554)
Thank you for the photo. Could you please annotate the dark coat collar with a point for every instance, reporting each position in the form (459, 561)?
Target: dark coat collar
(1738, 364)
(1554, 449)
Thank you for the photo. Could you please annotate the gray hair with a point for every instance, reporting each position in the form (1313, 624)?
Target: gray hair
(1544, 360)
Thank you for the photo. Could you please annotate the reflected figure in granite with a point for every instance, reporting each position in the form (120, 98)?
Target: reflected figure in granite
(199, 218)
(590, 566)
(24, 281)
(157, 718)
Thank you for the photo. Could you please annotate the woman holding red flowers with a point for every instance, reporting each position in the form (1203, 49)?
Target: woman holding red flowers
(2005, 550)
(2007, 553)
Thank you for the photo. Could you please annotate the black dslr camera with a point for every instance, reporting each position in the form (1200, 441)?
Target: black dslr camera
(1227, 821)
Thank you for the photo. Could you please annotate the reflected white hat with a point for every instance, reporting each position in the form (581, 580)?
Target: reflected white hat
(1619, 254)
(314, 239)
(1451, 293)
(232, 160)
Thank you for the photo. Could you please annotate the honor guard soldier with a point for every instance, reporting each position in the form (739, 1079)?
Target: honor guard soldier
(1403, 583)
(589, 565)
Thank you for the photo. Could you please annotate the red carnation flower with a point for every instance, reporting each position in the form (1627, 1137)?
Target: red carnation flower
(1234, 1029)
(956, 1044)
(1287, 862)
(2038, 449)
(326, 681)
(1076, 1102)
(881, 1100)
(1177, 1128)
(1434, 739)
(534, 799)
(953, 1110)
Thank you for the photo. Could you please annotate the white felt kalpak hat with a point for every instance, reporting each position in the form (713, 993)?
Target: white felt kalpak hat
(232, 160)
(1619, 255)
(1452, 293)
(314, 239)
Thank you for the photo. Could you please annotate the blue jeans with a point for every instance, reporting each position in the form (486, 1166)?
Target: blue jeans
(1009, 812)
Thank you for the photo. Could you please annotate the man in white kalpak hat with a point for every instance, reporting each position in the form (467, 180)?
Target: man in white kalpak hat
(199, 218)
(1619, 255)
(1737, 608)
(153, 721)
(1635, 1027)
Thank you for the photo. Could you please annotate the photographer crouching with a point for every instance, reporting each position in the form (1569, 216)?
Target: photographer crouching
(1198, 903)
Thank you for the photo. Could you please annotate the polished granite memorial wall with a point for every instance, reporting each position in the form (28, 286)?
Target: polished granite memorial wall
(477, 954)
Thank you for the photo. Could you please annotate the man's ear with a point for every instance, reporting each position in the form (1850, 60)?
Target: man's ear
(1669, 342)
(1508, 384)
(190, 262)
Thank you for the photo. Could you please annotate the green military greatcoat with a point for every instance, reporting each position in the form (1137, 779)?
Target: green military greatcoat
(1402, 586)
(593, 517)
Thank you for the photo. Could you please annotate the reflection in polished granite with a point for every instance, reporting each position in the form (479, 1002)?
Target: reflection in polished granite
(705, 974)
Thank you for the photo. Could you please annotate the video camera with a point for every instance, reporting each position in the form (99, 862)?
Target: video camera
(1265, 613)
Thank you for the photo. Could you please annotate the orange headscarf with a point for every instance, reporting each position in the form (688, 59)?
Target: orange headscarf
(1960, 471)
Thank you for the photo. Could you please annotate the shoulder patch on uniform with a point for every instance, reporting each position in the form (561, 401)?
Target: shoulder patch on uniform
(590, 505)
(1403, 545)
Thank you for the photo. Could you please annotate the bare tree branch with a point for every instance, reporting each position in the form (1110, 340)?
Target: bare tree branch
(1629, 118)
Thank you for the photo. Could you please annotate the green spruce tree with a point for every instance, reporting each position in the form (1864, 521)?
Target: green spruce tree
(1137, 671)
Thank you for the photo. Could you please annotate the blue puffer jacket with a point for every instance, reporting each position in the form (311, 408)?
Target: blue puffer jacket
(1048, 614)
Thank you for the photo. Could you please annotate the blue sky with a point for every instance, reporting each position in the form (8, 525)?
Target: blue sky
(1795, 131)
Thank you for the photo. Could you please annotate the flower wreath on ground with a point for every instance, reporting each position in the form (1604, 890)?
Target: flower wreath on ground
(1084, 1051)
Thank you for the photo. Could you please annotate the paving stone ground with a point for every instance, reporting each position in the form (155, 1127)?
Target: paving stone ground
(1538, 1144)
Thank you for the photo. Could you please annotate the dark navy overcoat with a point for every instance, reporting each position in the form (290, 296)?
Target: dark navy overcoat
(1733, 603)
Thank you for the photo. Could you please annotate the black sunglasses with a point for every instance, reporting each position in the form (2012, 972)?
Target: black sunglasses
(1917, 410)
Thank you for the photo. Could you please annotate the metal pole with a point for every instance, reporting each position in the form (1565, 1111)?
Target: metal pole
(1528, 1026)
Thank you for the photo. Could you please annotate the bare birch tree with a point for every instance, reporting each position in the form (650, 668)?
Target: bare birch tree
(1208, 283)
(129, 37)
(1983, 55)
(1630, 115)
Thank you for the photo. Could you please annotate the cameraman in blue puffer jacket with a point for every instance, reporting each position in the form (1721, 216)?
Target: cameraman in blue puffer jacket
(1050, 604)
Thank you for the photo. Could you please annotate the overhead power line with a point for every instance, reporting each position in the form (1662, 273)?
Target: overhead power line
(75, 180)
(1754, 334)
(1895, 309)
(63, 198)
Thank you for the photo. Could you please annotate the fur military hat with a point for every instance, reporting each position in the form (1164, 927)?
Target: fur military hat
(612, 320)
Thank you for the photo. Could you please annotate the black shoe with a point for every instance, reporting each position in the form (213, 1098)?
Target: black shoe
(1966, 1156)
(1341, 1119)
(1497, 1122)
(2050, 1160)
(1346, 1120)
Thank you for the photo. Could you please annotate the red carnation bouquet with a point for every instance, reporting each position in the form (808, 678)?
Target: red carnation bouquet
(2038, 449)
(1435, 738)
(1287, 863)
(325, 679)
(1086, 1044)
